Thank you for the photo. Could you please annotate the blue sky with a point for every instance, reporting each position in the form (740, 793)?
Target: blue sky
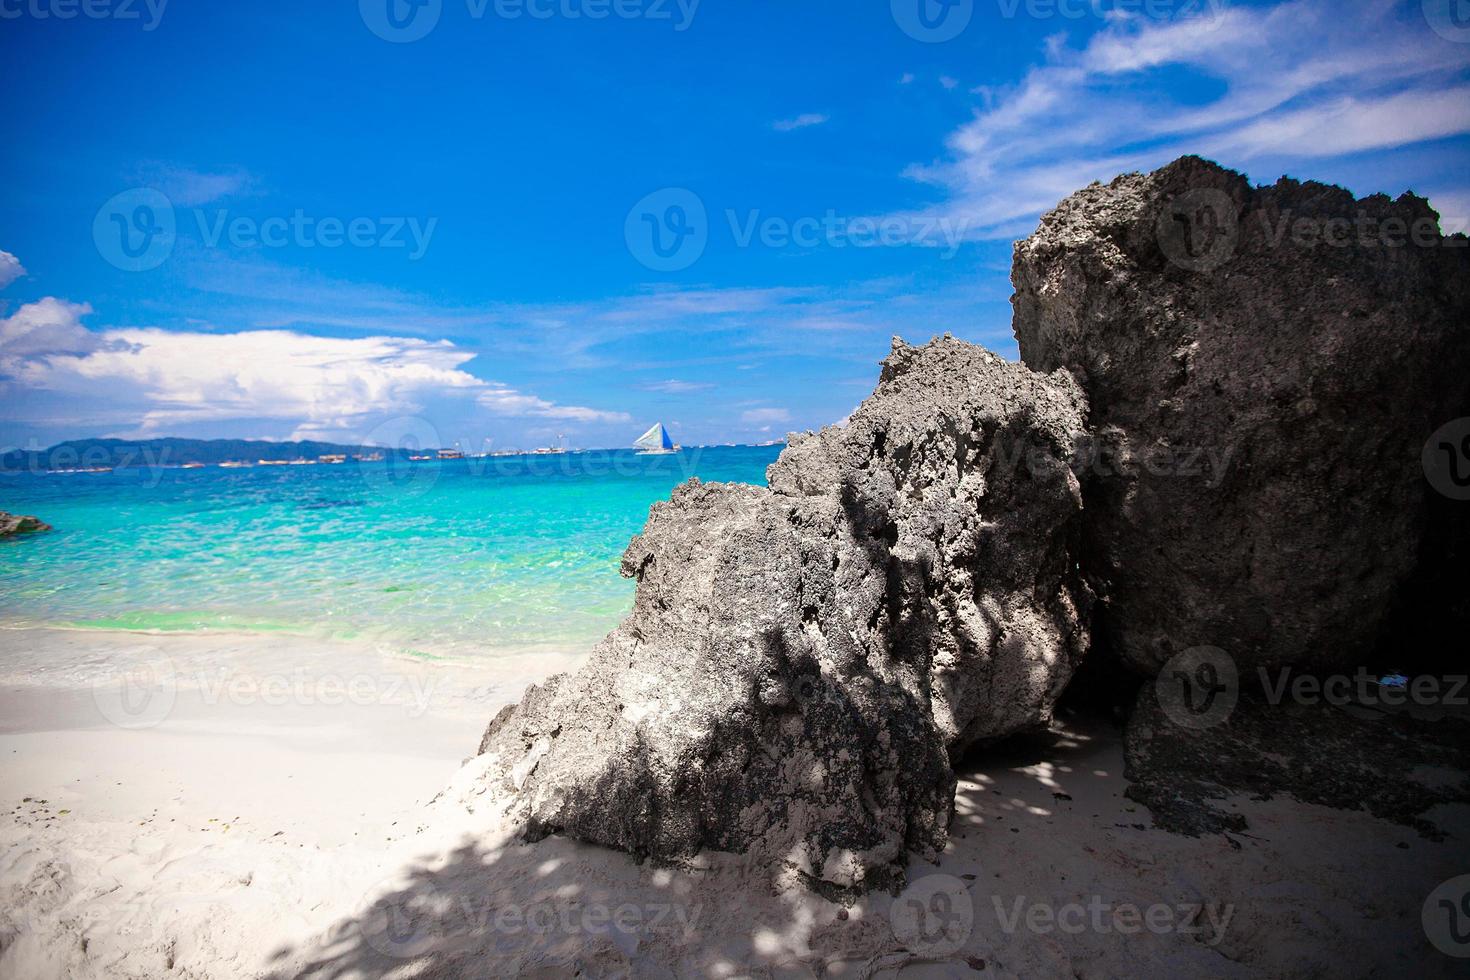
(374, 235)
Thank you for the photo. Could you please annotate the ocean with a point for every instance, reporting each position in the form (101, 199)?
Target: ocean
(469, 557)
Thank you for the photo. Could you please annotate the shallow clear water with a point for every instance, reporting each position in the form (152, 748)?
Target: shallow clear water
(468, 556)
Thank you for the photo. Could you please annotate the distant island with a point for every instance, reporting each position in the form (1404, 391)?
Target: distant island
(83, 454)
(90, 455)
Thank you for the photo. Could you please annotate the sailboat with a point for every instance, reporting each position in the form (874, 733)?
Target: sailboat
(656, 442)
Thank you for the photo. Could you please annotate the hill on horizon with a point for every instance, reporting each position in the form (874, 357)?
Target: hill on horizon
(122, 453)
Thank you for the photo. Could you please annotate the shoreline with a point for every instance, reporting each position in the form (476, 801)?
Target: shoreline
(239, 835)
(386, 646)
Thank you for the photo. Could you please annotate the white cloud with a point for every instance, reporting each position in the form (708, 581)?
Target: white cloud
(906, 78)
(47, 326)
(1291, 83)
(172, 378)
(499, 399)
(759, 416)
(800, 122)
(10, 269)
(948, 82)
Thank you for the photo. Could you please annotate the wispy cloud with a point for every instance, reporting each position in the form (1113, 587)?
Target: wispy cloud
(589, 335)
(799, 122)
(499, 399)
(674, 387)
(10, 269)
(758, 416)
(1297, 81)
(188, 187)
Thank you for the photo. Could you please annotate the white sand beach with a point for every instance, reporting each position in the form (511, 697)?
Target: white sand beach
(316, 815)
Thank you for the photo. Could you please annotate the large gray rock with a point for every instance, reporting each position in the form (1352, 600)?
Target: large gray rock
(801, 660)
(1261, 398)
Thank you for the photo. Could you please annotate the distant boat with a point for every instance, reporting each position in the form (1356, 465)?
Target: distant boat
(655, 442)
(234, 464)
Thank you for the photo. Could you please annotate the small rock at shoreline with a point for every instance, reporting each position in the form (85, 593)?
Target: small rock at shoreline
(12, 524)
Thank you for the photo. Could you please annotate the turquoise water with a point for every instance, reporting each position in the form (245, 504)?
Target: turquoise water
(465, 556)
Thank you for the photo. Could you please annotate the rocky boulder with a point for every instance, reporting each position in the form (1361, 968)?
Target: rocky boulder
(18, 524)
(801, 660)
(1263, 368)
